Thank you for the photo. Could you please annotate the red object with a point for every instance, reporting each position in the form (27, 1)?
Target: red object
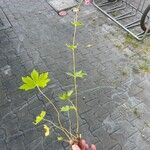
(87, 2)
(62, 13)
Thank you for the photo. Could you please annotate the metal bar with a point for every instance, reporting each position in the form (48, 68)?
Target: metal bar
(132, 23)
(125, 14)
(120, 18)
(146, 32)
(132, 6)
(107, 3)
(121, 25)
(114, 8)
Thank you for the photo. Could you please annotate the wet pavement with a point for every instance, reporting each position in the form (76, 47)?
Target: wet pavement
(114, 97)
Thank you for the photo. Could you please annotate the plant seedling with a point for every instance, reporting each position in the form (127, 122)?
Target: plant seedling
(39, 81)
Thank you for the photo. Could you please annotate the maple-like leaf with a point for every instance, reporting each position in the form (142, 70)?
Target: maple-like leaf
(35, 80)
(67, 108)
(66, 95)
(77, 74)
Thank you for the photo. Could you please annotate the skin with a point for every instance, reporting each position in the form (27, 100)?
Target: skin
(83, 146)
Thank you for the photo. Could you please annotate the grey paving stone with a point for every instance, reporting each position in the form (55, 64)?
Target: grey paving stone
(62, 5)
(107, 99)
(16, 143)
(3, 145)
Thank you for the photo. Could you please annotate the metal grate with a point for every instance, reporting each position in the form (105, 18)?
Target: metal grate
(127, 14)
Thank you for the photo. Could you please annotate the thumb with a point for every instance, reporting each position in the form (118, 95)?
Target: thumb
(93, 147)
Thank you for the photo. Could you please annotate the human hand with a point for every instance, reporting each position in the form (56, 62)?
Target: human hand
(83, 146)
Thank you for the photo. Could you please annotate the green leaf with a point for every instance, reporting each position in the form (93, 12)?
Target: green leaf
(77, 23)
(27, 87)
(72, 47)
(66, 95)
(46, 130)
(28, 84)
(77, 74)
(67, 108)
(60, 138)
(27, 80)
(40, 117)
(34, 75)
(43, 80)
(69, 93)
(80, 74)
(36, 79)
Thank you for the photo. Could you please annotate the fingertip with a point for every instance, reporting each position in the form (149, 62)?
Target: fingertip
(93, 147)
(83, 142)
(86, 146)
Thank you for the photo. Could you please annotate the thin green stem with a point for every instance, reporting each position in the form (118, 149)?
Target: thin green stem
(76, 110)
(71, 103)
(74, 78)
(60, 128)
(58, 114)
(74, 70)
(70, 124)
(50, 101)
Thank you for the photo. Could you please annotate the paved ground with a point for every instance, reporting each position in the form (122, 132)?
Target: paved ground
(114, 98)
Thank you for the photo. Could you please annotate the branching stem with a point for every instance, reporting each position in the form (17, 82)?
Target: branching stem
(58, 115)
(60, 128)
(50, 101)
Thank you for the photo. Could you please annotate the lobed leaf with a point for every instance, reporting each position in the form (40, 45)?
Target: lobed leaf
(40, 117)
(77, 74)
(36, 79)
(67, 108)
(80, 74)
(66, 95)
(72, 47)
(27, 87)
(34, 75)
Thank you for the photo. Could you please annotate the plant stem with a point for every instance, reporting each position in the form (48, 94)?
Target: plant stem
(58, 115)
(74, 78)
(60, 128)
(74, 70)
(73, 106)
(71, 103)
(70, 124)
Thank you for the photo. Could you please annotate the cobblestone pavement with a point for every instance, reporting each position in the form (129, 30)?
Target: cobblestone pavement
(114, 97)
